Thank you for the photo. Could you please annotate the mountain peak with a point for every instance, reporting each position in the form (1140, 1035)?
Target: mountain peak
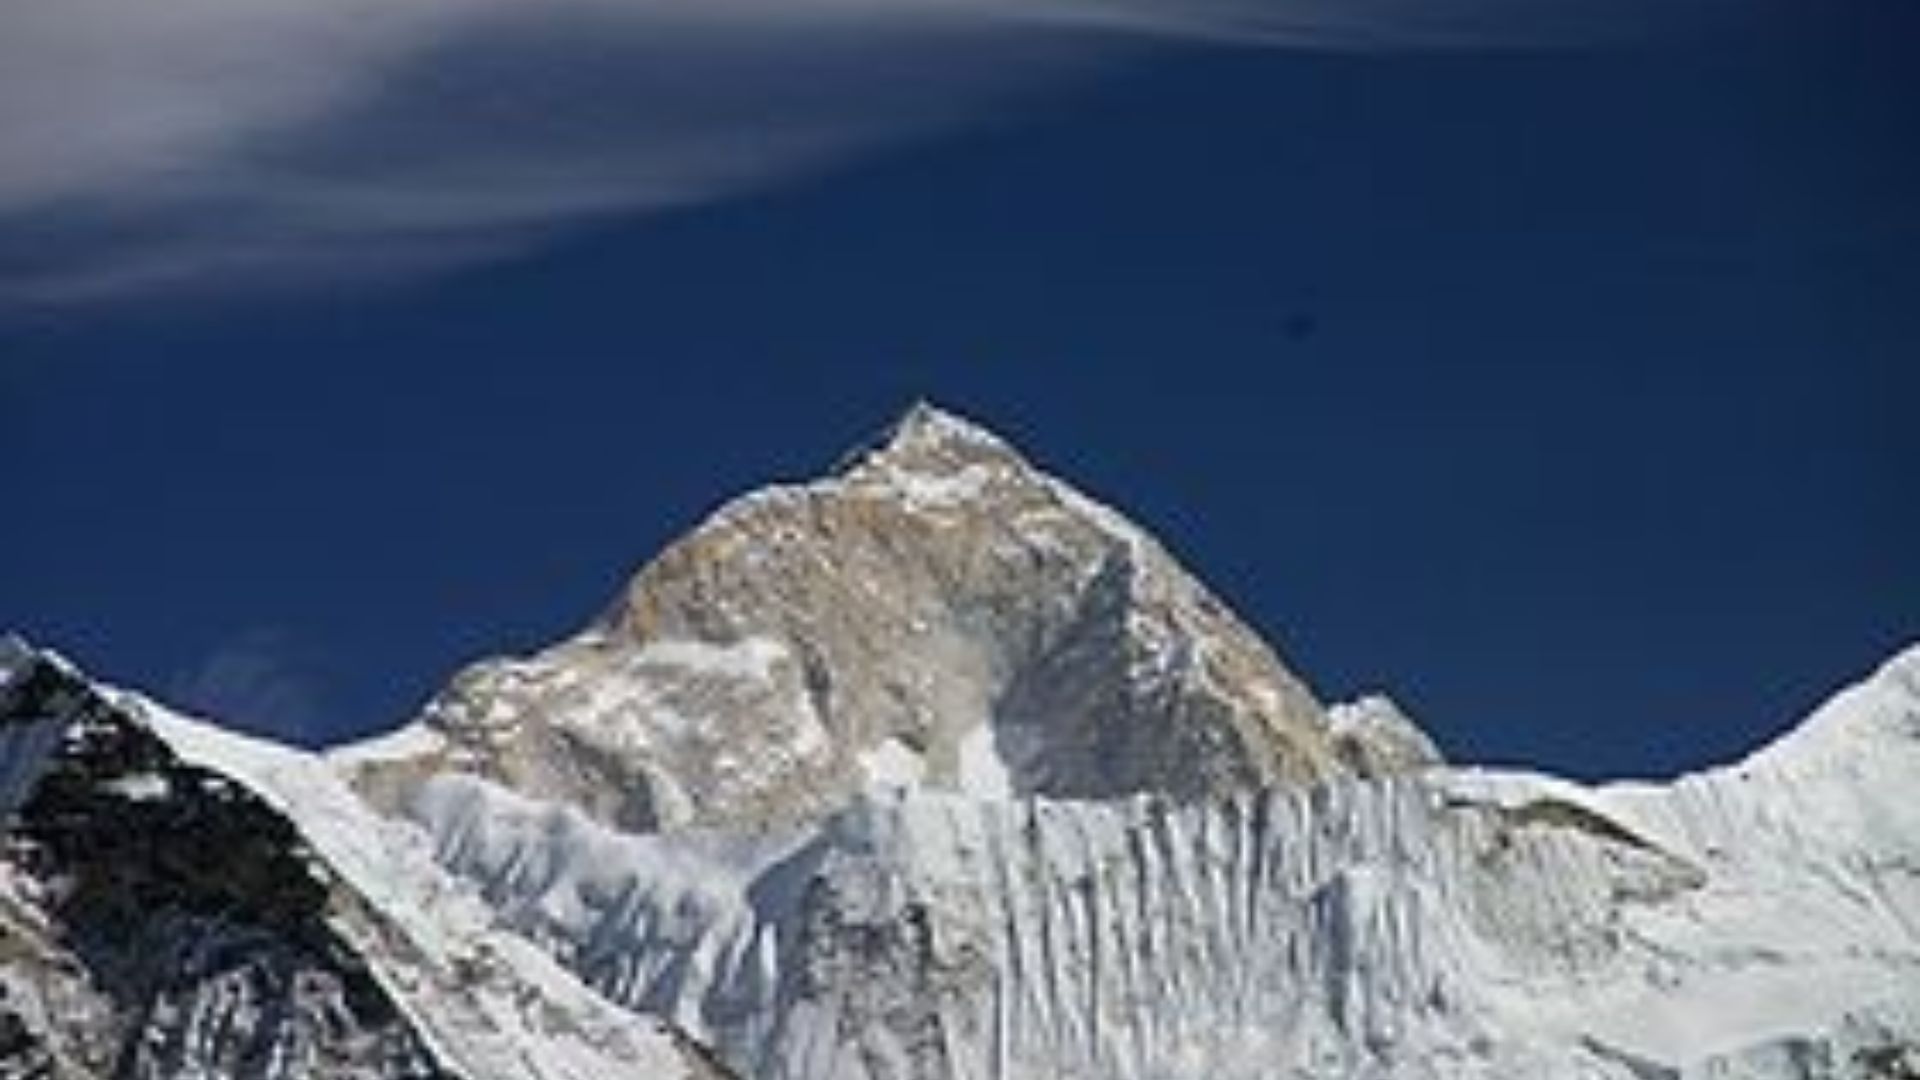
(935, 768)
(927, 424)
(931, 441)
(937, 613)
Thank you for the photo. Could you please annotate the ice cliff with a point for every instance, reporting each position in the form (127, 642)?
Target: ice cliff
(936, 768)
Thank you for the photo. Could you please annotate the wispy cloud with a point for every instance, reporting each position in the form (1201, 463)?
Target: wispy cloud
(261, 679)
(151, 146)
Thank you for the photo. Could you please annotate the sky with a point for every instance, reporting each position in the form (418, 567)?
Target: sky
(1558, 381)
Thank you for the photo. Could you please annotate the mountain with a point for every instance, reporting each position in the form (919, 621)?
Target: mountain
(936, 613)
(935, 768)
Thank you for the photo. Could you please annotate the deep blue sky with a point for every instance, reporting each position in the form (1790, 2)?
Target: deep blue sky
(1570, 398)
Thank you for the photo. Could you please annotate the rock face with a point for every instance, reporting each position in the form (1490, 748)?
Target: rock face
(934, 770)
(162, 920)
(939, 613)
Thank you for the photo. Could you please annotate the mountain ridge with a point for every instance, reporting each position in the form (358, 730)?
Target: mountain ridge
(931, 769)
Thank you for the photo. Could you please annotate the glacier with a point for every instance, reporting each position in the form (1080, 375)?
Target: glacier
(936, 768)
(1448, 923)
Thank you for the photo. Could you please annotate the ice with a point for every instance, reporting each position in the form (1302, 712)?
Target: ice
(1759, 919)
(1452, 923)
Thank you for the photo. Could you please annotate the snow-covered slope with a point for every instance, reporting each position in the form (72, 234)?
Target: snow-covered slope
(934, 769)
(180, 901)
(1756, 921)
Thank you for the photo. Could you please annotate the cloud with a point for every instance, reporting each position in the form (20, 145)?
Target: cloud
(203, 143)
(262, 680)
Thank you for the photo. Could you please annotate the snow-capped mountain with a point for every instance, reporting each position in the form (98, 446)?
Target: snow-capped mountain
(936, 614)
(935, 768)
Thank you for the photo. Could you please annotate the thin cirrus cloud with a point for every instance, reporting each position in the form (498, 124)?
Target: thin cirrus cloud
(264, 676)
(153, 147)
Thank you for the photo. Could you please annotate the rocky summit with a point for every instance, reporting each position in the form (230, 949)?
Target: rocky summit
(937, 614)
(935, 768)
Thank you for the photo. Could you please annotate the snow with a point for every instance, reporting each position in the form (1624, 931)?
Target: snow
(935, 461)
(1461, 918)
(1403, 921)
(750, 658)
(983, 774)
(923, 490)
(928, 425)
(490, 1005)
(402, 744)
(1109, 520)
(676, 909)
(1465, 924)
(1726, 1012)
(893, 764)
(140, 787)
(15, 657)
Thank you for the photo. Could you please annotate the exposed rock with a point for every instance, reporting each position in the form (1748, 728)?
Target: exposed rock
(169, 923)
(934, 770)
(939, 612)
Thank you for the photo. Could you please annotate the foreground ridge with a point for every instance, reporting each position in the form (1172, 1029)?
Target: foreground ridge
(934, 768)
